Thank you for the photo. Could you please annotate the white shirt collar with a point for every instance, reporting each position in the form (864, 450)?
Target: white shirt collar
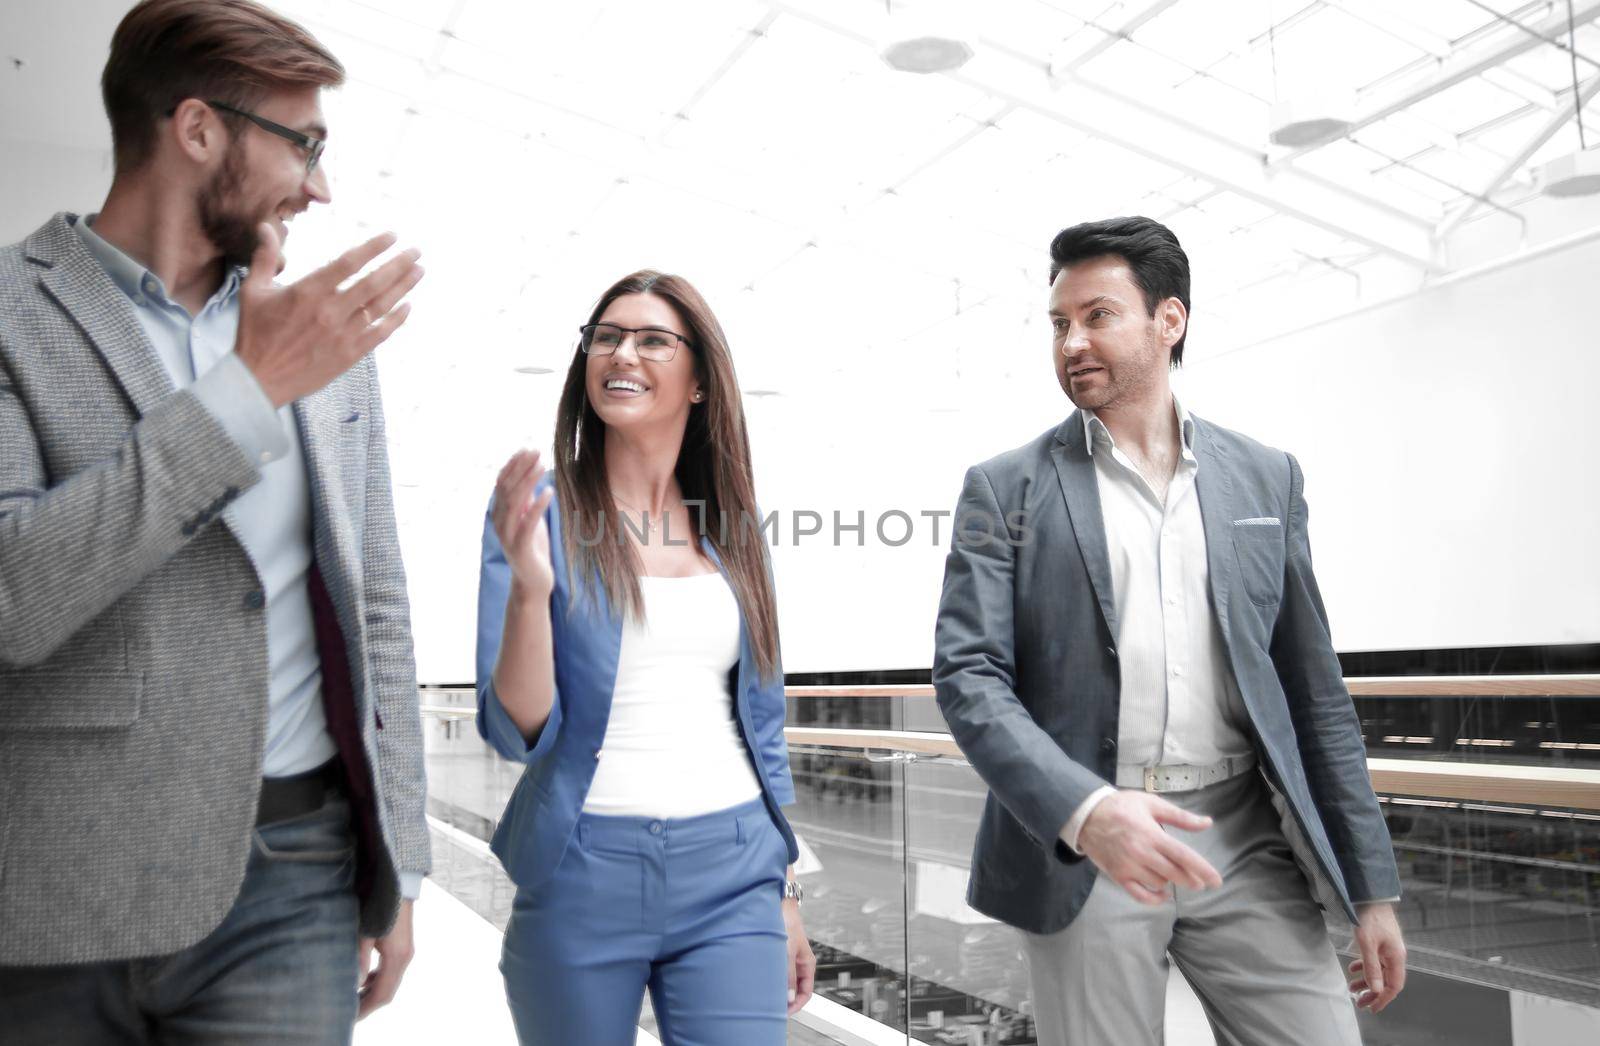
(1094, 429)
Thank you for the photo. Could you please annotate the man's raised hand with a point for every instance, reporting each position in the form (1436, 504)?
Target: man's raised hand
(297, 338)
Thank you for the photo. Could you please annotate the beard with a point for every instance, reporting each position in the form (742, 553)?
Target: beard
(230, 231)
(1130, 379)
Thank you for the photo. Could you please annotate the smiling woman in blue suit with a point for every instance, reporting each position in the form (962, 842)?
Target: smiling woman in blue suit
(628, 656)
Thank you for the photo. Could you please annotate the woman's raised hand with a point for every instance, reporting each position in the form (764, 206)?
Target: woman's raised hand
(519, 523)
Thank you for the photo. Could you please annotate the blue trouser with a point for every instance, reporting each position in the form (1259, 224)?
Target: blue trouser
(280, 969)
(690, 908)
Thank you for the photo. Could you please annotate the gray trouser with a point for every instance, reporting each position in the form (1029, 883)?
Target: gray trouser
(1255, 950)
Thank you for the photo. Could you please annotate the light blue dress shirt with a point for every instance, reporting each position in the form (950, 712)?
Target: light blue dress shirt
(272, 520)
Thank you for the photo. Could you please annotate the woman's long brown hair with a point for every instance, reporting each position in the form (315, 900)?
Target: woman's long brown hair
(713, 470)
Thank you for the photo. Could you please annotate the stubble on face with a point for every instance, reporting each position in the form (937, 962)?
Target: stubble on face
(1127, 378)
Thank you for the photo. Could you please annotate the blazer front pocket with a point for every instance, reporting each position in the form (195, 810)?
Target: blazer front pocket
(1260, 553)
(68, 699)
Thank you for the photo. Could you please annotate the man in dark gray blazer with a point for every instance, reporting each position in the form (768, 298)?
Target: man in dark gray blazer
(211, 781)
(1132, 651)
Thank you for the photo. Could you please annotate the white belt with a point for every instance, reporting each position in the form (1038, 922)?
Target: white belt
(1182, 777)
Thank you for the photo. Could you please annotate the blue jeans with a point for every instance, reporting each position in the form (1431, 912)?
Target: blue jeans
(690, 908)
(279, 969)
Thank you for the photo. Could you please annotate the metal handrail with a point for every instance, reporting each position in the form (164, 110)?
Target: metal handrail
(1543, 685)
(1548, 786)
(1549, 685)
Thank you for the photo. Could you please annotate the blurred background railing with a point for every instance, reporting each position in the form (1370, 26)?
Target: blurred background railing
(1490, 786)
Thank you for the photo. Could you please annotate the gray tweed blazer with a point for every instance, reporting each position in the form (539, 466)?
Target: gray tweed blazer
(133, 647)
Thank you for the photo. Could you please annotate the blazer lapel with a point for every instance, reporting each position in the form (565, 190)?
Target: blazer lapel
(1214, 487)
(1075, 469)
(86, 294)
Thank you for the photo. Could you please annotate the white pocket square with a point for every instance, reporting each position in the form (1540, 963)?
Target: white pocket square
(1259, 521)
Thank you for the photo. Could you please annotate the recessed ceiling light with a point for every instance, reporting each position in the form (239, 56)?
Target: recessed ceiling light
(927, 54)
(761, 393)
(533, 370)
(927, 36)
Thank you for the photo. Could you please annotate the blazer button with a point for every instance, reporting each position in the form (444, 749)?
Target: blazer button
(1111, 650)
(1108, 745)
(255, 599)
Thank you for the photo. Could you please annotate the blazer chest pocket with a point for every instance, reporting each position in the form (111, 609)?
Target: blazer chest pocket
(1260, 551)
(353, 447)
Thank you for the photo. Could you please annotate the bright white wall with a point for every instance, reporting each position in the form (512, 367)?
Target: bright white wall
(1448, 441)
(38, 179)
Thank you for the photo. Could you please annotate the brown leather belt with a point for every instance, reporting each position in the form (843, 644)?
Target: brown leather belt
(283, 798)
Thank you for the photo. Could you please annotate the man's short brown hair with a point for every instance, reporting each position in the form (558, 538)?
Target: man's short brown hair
(233, 51)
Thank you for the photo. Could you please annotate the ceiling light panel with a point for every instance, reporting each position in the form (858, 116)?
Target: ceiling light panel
(1286, 237)
(1006, 178)
(1193, 34)
(1465, 169)
(856, 129)
(1236, 210)
(1104, 12)
(1465, 105)
(1346, 163)
(1223, 109)
(1129, 67)
(1507, 137)
(630, 66)
(408, 31)
(1551, 67)
(1423, 187)
(642, 225)
(1198, 227)
(1330, 49)
(937, 244)
(1030, 27)
(1451, 19)
(385, 66)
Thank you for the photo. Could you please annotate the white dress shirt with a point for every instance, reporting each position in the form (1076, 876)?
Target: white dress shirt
(672, 746)
(1180, 702)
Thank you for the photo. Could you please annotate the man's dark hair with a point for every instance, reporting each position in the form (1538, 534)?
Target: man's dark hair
(234, 51)
(1152, 252)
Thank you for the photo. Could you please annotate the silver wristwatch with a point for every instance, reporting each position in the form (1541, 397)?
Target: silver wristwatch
(792, 891)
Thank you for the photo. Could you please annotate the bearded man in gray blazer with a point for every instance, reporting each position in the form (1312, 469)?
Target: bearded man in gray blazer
(1132, 652)
(211, 781)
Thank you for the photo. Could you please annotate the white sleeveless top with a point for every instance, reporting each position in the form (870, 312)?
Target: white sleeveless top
(672, 746)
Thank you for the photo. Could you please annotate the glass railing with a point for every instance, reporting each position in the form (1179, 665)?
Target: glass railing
(1499, 857)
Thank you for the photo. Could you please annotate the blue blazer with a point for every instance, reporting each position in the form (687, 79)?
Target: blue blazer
(560, 763)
